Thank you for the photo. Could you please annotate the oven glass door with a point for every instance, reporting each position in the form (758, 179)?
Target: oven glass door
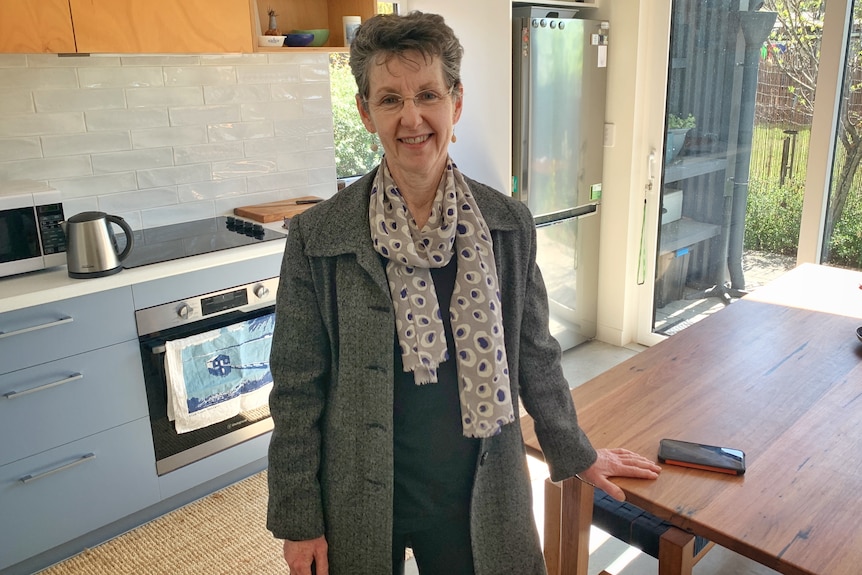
(174, 450)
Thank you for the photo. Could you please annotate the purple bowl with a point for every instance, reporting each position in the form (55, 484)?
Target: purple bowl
(298, 40)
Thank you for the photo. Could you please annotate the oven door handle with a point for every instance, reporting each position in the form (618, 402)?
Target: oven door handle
(158, 349)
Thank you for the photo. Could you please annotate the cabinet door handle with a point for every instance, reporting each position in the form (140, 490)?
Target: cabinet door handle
(60, 321)
(13, 394)
(79, 461)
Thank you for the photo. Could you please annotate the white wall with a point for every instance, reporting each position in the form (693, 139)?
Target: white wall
(166, 139)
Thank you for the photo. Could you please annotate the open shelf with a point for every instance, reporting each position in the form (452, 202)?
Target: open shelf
(691, 166)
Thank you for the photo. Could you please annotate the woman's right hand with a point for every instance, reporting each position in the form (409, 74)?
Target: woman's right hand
(301, 555)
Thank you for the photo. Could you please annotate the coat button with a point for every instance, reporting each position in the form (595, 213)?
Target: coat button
(483, 458)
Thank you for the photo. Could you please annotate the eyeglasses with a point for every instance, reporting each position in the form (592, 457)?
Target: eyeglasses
(393, 103)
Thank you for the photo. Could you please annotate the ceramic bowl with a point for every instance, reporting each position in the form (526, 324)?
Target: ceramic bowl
(298, 40)
(270, 41)
(321, 35)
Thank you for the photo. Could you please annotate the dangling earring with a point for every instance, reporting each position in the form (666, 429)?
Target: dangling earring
(374, 147)
(454, 139)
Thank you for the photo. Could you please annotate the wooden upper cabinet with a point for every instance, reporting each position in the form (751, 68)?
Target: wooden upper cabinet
(36, 26)
(161, 26)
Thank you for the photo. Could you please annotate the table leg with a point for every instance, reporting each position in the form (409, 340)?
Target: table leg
(568, 516)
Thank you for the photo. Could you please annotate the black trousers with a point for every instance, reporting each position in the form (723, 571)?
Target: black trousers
(440, 549)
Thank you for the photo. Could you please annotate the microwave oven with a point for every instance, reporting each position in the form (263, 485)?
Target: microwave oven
(31, 237)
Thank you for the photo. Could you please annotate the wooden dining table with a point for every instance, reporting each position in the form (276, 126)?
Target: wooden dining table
(777, 374)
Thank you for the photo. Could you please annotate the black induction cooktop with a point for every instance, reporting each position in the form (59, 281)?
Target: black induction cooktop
(165, 243)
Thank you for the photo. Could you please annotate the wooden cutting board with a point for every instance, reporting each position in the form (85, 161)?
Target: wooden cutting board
(275, 211)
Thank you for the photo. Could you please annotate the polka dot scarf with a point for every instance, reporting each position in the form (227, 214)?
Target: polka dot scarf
(455, 226)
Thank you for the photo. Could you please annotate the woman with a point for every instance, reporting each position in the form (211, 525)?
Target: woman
(399, 360)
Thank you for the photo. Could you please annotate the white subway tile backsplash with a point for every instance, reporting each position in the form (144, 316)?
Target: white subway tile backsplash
(215, 189)
(232, 59)
(279, 181)
(306, 160)
(238, 94)
(157, 177)
(38, 78)
(204, 115)
(77, 205)
(39, 124)
(77, 188)
(162, 139)
(88, 143)
(321, 175)
(138, 200)
(317, 108)
(314, 91)
(72, 60)
(255, 148)
(13, 60)
(110, 77)
(207, 153)
(271, 74)
(169, 136)
(177, 214)
(14, 102)
(165, 96)
(304, 126)
(46, 168)
(282, 110)
(247, 167)
(240, 131)
(20, 148)
(320, 142)
(132, 160)
(126, 119)
(160, 60)
(200, 75)
(79, 100)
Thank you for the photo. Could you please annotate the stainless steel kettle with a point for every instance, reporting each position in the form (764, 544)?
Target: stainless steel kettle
(91, 247)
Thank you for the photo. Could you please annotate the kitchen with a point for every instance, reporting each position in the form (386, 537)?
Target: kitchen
(260, 123)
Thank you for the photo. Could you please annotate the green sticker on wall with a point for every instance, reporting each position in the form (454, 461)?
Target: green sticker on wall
(596, 192)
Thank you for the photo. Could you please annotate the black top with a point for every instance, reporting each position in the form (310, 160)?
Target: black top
(434, 462)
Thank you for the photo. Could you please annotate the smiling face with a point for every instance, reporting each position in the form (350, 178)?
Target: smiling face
(415, 138)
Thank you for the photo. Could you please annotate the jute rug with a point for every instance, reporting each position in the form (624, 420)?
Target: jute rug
(221, 534)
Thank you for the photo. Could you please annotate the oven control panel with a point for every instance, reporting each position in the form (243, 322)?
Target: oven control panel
(248, 297)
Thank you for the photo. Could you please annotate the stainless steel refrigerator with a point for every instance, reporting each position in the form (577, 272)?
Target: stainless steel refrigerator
(559, 78)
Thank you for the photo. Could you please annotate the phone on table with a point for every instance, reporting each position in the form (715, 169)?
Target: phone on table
(700, 456)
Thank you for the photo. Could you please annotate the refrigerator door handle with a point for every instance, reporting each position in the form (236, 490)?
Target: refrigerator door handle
(563, 215)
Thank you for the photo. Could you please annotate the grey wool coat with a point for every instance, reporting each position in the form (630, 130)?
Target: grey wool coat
(331, 453)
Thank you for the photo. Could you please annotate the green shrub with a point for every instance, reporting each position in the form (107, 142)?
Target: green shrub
(773, 216)
(353, 153)
(845, 249)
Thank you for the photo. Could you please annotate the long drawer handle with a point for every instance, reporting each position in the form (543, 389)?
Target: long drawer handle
(79, 461)
(60, 321)
(14, 394)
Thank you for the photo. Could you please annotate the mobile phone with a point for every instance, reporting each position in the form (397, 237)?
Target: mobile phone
(700, 456)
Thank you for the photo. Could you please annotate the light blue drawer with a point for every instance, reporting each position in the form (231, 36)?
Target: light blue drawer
(95, 481)
(50, 331)
(54, 403)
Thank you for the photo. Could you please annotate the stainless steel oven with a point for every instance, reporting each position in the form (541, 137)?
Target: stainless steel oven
(183, 319)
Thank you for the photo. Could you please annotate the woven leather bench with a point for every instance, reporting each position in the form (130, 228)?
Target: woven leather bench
(677, 551)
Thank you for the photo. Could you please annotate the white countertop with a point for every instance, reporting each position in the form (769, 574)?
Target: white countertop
(45, 286)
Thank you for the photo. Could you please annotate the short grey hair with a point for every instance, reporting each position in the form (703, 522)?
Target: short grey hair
(388, 36)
